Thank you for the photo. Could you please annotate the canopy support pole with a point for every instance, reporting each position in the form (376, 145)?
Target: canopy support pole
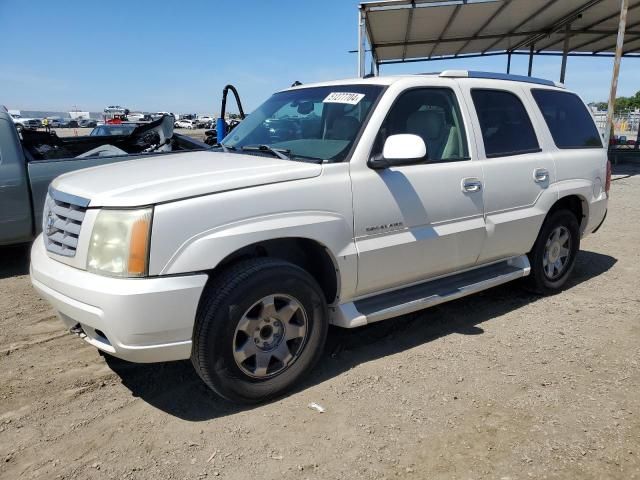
(622, 25)
(362, 38)
(565, 52)
(531, 49)
(508, 62)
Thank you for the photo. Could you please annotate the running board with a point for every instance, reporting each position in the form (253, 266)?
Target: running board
(427, 294)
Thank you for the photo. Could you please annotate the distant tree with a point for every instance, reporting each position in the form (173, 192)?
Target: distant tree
(622, 103)
(599, 105)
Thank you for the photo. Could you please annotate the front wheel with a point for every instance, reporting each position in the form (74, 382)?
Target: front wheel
(260, 328)
(554, 253)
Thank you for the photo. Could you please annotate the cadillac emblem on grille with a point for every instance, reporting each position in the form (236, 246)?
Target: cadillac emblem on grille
(49, 224)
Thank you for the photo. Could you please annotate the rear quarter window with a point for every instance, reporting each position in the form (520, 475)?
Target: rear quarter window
(568, 119)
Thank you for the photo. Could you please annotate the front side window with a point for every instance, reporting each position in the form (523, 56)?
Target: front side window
(568, 119)
(432, 114)
(317, 123)
(504, 122)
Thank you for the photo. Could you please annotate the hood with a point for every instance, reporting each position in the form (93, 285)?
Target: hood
(155, 179)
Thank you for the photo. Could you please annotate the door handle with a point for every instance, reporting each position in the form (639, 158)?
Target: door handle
(540, 175)
(471, 185)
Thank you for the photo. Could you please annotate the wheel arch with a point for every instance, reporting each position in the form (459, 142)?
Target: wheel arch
(308, 254)
(576, 204)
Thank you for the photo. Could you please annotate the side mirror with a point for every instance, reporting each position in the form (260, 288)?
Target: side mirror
(401, 149)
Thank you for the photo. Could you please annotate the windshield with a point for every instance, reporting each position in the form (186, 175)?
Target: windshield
(317, 123)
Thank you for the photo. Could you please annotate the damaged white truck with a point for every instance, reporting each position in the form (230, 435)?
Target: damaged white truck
(339, 203)
(30, 160)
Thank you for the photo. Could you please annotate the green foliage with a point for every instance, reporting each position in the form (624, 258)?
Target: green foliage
(622, 103)
(628, 103)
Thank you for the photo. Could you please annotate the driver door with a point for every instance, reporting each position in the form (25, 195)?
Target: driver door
(419, 221)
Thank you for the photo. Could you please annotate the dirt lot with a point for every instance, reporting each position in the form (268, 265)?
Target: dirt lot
(501, 385)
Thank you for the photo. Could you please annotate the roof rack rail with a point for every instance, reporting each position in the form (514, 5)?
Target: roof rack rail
(500, 76)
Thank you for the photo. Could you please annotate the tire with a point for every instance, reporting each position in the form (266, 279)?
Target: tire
(253, 296)
(549, 275)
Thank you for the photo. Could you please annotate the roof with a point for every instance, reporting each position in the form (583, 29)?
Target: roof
(454, 74)
(416, 30)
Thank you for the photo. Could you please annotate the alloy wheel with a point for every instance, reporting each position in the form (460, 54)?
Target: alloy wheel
(557, 253)
(270, 336)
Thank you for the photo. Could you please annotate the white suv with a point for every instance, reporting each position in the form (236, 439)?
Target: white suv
(339, 203)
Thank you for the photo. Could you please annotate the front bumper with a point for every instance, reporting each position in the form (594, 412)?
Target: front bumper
(140, 320)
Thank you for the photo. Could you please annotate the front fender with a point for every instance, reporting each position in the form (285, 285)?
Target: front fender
(207, 249)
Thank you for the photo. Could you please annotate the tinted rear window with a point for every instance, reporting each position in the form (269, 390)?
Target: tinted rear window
(568, 119)
(505, 123)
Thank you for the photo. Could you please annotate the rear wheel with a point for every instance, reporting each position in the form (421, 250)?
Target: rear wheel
(554, 253)
(260, 328)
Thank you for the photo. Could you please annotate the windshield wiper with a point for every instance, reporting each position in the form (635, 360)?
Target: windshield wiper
(224, 148)
(278, 152)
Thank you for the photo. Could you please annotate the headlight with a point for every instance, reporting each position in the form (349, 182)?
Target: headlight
(119, 243)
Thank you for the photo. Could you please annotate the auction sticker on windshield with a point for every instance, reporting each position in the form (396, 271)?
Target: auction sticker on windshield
(349, 98)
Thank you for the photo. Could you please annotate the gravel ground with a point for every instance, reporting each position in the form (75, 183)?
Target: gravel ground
(502, 385)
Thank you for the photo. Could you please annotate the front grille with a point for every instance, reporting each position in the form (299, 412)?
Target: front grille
(62, 222)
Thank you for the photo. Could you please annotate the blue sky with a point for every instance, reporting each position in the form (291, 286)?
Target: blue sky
(177, 56)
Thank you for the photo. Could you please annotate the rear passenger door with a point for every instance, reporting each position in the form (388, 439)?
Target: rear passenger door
(517, 171)
(579, 153)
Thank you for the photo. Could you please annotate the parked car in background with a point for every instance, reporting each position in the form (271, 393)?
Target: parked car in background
(211, 136)
(140, 117)
(87, 123)
(377, 197)
(113, 129)
(58, 122)
(184, 123)
(135, 117)
(158, 115)
(23, 123)
(205, 121)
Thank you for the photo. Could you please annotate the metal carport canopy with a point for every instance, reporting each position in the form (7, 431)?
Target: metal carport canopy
(422, 30)
(419, 30)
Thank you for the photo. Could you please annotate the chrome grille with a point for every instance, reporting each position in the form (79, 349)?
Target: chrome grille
(62, 222)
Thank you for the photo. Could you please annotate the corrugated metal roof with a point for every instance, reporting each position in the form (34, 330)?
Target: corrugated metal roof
(406, 30)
